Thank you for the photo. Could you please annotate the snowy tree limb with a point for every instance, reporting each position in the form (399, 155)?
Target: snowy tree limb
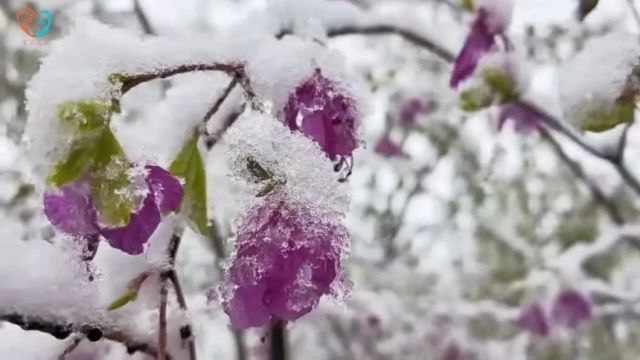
(62, 330)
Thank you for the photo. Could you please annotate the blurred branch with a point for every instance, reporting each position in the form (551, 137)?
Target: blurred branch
(73, 344)
(424, 42)
(410, 36)
(162, 320)
(170, 275)
(634, 12)
(142, 18)
(610, 207)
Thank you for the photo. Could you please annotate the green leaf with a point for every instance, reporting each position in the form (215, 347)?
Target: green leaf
(467, 5)
(129, 296)
(86, 116)
(78, 162)
(189, 166)
(603, 118)
(88, 119)
(475, 99)
(110, 185)
(501, 84)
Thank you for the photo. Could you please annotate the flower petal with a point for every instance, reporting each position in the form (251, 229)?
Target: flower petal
(132, 237)
(166, 188)
(70, 209)
(533, 320)
(526, 119)
(387, 148)
(285, 260)
(325, 114)
(571, 308)
(480, 41)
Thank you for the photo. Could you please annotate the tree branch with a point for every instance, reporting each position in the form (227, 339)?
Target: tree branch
(216, 106)
(406, 34)
(423, 42)
(62, 330)
(142, 18)
(610, 207)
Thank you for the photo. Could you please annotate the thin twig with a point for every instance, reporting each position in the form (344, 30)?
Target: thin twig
(610, 207)
(130, 81)
(142, 18)
(186, 332)
(216, 106)
(408, 35)
(162, 321)
(73, 344)
(634, 12)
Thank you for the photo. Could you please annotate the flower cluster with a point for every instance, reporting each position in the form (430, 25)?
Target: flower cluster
(325, 113)
(286, 258)
(570, 308)
(71, 209)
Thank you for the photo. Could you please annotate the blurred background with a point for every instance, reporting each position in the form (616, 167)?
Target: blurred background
(456, 227)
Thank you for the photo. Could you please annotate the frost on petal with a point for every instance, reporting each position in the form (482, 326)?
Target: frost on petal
(526, 119)
(165, 187)
(322, 111)
(599, 101)
(70, 209)
(571, 308)
(132, 237)
(388, 148)
(480, 41)
(296, 165)
(533, 320)
(285, 260)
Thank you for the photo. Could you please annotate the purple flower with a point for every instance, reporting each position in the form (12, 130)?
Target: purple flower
(285, 260)
(571, 308)
(387, 148)
(454, 352)
(322, 111)
(480, 40)
(411, 109)
(71, 210)
(526, 118)
(533, 320)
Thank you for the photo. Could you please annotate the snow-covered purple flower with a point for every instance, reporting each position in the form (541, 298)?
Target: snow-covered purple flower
(571, 308)
(526, 119)
(285, 259)
(71, 210)
(388, 148)
(490, 22)
(533, 320)
(324, 112)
